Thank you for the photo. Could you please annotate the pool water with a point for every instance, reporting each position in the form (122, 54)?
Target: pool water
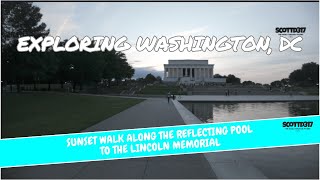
(222, 112)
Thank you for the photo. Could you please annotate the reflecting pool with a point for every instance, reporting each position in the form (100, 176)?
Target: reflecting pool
(222, 112)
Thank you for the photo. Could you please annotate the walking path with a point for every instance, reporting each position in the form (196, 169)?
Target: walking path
(149, 113)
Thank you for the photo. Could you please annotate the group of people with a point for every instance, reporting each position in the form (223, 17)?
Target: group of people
(170, 96)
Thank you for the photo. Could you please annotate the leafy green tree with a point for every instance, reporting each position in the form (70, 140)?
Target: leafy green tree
(285, 82)
(159, 79)
(150, 78)
(24, 19)
(311, 72)
(116, 67)
(276, 84)
(129, 71)
(140, 80)
(123, 69)
(19, 19)
(248, 83)
(233, 79)
(219, 76)
(50, 67)
(308, 75)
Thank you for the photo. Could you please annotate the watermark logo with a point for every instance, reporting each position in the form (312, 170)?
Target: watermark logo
(291, 125)
(290, 31)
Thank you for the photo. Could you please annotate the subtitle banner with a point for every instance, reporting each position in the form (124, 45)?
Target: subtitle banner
(159, 141)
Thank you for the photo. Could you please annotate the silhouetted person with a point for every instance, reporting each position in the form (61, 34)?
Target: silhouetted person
(168, 96)
(228, 92)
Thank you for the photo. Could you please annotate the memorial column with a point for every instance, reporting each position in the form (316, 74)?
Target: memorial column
(165, 73)
(202, 73)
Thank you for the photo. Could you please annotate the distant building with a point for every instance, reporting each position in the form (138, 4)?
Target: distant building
(190, 72)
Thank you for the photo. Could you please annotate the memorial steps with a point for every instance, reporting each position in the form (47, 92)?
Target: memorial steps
(218, 90)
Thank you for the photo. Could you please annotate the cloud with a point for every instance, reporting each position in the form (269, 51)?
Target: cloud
(195, 31)
(62, 27)
(59, 18)
(143, 71)
(136, 61)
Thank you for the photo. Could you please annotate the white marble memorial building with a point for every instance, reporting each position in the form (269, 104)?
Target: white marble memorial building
(190, 72)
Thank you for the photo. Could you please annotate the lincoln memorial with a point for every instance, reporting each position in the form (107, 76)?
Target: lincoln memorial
(190, 72)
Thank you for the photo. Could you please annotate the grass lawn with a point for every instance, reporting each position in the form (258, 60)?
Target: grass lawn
(161, 90)
(30, 114)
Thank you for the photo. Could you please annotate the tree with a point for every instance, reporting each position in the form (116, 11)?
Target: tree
(285, 82)
(32, 67)
(150, 78)
(19, 19)
(219, 76)
(308, 75)
(116, 67)
(159, 79)
(248, 83)
(81, 67)
(296, 77)
(233, 79)
(276, 84)
(50, 68)
(141, 80)
(311, 72)
(123, 69)
(129, 71)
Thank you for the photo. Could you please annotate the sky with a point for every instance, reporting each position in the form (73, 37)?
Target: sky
(146, 19)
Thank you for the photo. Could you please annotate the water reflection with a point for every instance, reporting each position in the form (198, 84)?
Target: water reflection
(304, 108)
(221, 112)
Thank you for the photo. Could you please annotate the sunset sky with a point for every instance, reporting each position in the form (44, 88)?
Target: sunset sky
(66, 19)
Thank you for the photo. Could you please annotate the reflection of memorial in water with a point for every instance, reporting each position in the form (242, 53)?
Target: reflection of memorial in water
(204, 111)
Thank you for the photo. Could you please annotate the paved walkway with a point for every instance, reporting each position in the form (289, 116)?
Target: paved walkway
(150, 113)
(246, 98)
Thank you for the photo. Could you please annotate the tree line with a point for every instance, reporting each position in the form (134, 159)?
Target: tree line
(24, 19)
(306, 76)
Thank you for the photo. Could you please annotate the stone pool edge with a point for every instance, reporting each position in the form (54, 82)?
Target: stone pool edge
(229, 167)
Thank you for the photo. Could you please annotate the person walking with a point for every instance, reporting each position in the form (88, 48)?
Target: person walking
(168, 96)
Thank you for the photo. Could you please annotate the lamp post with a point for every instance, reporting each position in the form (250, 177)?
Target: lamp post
(72, 68)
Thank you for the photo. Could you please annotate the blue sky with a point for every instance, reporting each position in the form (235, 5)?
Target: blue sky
(66, 19)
